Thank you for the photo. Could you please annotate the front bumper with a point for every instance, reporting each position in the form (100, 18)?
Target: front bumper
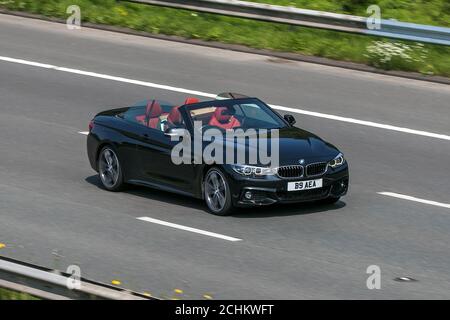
(272, 189)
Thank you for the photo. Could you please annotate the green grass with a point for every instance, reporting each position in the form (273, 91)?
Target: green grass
(6, 294)
(432, 59)
(432, 12)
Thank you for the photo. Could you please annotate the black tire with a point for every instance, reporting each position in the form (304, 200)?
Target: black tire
(220, 203)
(110, 175)
(329, 200)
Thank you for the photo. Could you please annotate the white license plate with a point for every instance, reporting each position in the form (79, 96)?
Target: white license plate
(305, 185)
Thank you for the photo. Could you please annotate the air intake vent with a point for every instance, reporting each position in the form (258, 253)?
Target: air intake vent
(316, 169)
(290, 172)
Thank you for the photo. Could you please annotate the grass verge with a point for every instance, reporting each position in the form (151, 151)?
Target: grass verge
(6, 294)
(432, 12)
(381, 53)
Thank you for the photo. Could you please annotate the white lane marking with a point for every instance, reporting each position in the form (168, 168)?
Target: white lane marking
(84, 132)
(210, 95)
(107, 77)
(181, 227)
(405, 197)
(365, 123)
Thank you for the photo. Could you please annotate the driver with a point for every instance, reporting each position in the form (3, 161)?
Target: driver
(223, 118)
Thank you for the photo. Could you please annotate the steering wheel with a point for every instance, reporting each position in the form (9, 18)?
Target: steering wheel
(207, 126)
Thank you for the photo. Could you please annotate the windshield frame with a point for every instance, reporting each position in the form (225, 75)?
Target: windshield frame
(185, 110)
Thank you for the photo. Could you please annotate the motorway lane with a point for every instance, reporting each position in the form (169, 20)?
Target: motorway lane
(49, 199)
(419, 105)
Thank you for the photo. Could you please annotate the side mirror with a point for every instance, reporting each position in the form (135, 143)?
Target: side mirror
(175, 132)
(290, 119)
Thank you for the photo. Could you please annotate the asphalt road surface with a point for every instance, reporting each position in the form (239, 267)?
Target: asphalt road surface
(53, 212)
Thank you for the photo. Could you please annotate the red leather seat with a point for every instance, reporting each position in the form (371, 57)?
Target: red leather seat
(141, 119)
(224, 121)
(191, 100)
(174, 119)
(152, 113)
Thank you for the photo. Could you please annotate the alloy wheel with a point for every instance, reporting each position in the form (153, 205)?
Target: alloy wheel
(215, 191)
(109, 168)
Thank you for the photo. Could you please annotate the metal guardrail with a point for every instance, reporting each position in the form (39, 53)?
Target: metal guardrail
(310, 18)
(51, 284)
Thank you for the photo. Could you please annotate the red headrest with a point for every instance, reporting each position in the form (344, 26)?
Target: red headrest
(190, 100)
(175, 116)
(153, 109)
(218, 114)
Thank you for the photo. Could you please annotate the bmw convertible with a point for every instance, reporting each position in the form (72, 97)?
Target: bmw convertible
(134, 145)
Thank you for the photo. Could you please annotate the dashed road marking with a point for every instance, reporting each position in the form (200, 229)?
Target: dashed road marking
(194, 230)
(414, 199)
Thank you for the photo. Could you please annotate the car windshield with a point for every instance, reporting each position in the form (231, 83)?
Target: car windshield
(239, 113)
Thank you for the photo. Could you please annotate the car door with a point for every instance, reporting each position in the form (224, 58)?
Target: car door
(130, 134)
(154, 150)
(126, 132)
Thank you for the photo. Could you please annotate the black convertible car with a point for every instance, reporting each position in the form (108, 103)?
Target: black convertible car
(133, 145)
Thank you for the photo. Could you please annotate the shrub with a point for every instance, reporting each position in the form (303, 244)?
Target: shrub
(395, 55)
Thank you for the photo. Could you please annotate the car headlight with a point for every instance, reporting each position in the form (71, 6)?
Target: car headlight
(253, 171)
(337, 161)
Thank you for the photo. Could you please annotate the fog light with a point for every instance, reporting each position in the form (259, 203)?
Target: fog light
(248, 195)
